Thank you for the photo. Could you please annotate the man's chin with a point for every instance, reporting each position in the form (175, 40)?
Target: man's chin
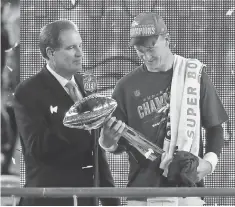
(152, 66)
(77, 69)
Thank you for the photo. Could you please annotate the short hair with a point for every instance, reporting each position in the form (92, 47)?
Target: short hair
(49, 34)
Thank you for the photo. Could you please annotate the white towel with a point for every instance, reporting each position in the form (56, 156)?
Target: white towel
(184, 110)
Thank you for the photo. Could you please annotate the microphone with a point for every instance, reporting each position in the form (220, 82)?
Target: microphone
(90, 87)
(89, 83)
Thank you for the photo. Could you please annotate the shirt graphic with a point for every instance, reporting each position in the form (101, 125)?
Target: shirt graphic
(153, 113)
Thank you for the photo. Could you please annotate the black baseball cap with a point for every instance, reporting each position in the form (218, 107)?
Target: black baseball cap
(145, 25)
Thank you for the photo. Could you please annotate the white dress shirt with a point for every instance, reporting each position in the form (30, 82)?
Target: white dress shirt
(63, 81)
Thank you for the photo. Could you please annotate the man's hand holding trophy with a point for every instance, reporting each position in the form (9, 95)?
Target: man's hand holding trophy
(92, 111)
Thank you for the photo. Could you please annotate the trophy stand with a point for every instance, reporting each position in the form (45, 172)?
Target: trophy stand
(90, 87)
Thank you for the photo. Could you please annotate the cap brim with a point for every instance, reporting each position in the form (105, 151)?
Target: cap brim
(132, 42)
(136, 41)
(147, 41)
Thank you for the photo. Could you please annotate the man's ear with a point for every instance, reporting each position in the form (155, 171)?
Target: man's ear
(167, 38)
(50, 52)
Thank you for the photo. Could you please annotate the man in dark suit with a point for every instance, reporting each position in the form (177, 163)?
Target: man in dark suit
(57, 156)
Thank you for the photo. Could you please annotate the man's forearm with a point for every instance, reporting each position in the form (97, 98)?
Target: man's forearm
(112, 146)
(214, 145)
(212, 158)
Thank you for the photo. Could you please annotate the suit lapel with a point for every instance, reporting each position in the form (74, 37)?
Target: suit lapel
(55, 87)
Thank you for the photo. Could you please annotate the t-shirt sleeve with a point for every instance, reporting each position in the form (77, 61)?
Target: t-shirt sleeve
(212, 109)
(118, 95)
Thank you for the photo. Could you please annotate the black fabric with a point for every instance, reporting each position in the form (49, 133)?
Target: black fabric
(182, 171)
(212, 110)
(4, 46)
(10, 78)
(8, 139)
(55, 202)
(55, 155)
(215, 139)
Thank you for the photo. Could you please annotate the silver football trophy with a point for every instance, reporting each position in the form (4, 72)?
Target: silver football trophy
(92, 111)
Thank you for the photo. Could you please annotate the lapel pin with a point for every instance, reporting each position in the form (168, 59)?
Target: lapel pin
(53, 109)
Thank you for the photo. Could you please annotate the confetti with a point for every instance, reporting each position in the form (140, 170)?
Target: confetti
(2, 157)
(12, 48)
(73, 2)
(230, 11)
(13, 160)
(16, 44)
(9, 68)
(9, 50)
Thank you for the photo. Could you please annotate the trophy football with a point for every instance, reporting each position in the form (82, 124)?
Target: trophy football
(92, 111)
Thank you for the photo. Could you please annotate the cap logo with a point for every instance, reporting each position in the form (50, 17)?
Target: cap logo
(137, 93)
(134, 23)
(146, 30)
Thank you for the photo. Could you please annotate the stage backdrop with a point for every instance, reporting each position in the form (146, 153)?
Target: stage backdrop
(200, 29)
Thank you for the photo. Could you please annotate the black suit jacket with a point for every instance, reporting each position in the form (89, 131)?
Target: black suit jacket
(54, 154)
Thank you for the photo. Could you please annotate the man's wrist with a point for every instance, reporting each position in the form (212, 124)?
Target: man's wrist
(212, 158)
(109, 148)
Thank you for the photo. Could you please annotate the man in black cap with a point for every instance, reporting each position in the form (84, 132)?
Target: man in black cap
(168, 99)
